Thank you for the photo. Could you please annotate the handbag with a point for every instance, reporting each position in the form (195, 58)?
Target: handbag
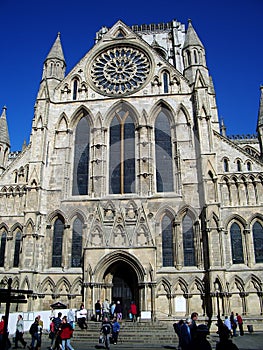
(101, 339)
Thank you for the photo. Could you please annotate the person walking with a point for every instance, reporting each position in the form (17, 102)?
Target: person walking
(240, 324)
(115, 330)
(106, 330)
(193, 326)
(65, 333)
(33, 330)
(56, 341)
(118, 311)
(201, 342)
(19, 337)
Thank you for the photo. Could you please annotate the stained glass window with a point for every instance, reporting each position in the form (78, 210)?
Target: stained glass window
(81, 158)
(188, 241)
(2, 249)
(258, 242)
(163, 154)
(57, 243)
(167, 241)
(122, 154)
(236, 244)
(76, 252)
(17, 249)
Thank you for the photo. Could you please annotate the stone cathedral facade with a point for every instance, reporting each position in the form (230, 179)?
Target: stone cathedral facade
(130, 188)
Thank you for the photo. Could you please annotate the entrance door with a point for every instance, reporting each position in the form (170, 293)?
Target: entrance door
(125, 286)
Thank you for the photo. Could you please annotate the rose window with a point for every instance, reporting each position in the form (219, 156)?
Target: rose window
(120, 70)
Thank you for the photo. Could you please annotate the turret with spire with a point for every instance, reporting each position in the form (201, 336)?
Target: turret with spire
(194, 55)
(54, 66)
(260, 122)
(4, 141)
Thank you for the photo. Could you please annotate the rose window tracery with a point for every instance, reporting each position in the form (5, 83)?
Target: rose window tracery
(120, 70)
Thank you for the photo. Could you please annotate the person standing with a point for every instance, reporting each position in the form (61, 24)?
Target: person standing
(106, 309)
(240, 324)
(228, 325)
(71, 317)
(233, 322)
(65, 332)
(193, 326)
(133, 311)
(19, 337)
(98, 311)
(82, 321)
(185, 335)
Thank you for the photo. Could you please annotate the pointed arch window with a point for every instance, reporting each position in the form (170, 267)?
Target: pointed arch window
(17, 249)
(2, 249)
(76, 249)
(258, 242)
(122, 154)
(236, 244)
(81, 158)
(167, 241)
(188, 241)
(57, 243)
(165, 82)
(163, 154)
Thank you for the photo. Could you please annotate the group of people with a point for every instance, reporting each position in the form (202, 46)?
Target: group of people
(110, 331)
(233, 322)
(194, 337)
(61, 331)
(113, 310)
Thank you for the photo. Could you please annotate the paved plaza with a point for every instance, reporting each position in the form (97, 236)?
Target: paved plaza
(253, 341)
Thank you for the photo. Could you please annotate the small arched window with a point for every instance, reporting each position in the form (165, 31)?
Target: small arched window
(239, 165)
(75, 89)
(17, 249)
(236, 244)
(188, 53)
(195, 57)
(258, 242)
(249, 166)
(188, 241)
(2, 249)
(226, 166)
(165, 82)
(76, 249)
(167, 241)
(57, 243)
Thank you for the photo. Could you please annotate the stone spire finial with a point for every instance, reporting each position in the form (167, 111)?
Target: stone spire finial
(4, 135)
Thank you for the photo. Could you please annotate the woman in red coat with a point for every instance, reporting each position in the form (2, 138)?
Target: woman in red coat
(133, 310)
(65, 333)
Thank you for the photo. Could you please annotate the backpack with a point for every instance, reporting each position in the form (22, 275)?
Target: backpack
(33, 328)
(106, 328)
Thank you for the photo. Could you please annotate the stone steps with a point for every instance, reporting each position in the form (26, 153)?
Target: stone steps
(139, 333)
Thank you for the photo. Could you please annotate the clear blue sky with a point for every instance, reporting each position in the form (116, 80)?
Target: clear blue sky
(231, 31)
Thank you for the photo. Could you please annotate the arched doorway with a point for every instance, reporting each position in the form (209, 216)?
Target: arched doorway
(124, 285)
